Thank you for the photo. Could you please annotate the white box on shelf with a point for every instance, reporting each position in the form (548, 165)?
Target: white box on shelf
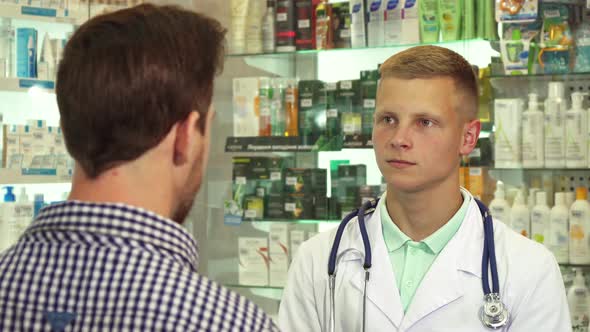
(245, 93)
(253, 261)
(508, 132)
(279, 268)
(13, 156)
(297, 238)
(279, 239)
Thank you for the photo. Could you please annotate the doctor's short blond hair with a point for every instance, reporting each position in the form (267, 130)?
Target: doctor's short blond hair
(424, 62)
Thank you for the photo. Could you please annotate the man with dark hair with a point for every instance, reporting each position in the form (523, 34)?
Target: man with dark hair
(134, 91)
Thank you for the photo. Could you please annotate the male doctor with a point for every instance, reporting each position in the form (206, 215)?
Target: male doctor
(426, 232)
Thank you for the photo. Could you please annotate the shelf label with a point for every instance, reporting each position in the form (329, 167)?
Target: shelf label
(281, 17)
(250, 214)
(475, 171)
(332, 113)
(306, 103)
(347, 85)
(274, 176)
(303, 24)
(241, 180)
(290, 98)
(289, 207)
(265, 111)
(35, 11)
(39, 171)
(291, 181)
(369, 103)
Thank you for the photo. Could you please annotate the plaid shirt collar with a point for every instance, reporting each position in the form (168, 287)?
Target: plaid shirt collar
(116, 220)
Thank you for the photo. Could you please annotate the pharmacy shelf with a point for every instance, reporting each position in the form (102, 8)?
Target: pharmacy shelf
(270, 144)
(22, 12)
(556, 76)
(583, 266)
(26, 176)
(541, 169)
(253, 287)
(25, 84)
(347, 50)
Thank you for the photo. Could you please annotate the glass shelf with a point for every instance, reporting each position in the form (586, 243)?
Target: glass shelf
(557, 76)
(292, 221)
(24, 176)
(542, 169)
(361, 49)
(584, 266)
(253, 287)
(42, 14)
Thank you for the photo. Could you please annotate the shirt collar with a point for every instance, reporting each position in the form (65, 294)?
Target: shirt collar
(121, 221)
(396, 239)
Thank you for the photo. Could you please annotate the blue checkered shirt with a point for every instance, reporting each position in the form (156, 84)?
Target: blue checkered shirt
(111, 267)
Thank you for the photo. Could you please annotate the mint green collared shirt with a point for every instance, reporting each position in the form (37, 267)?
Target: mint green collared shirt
(411, 260)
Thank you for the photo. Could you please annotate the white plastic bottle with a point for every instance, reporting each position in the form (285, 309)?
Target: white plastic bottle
(570, 198)
(520, 216)
(393, 22)
(555, 108)
(579, 228)
(558, 230)
(533, 144)
(24, 213)
(6, 211)
(376, 22)
(531, 198)
(540, 219)
(576, 128)
(268, 28)
(358, 36)
(499, 207)
(578, 299)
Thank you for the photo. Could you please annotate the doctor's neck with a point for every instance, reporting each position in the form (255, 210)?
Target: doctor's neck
(420, 214)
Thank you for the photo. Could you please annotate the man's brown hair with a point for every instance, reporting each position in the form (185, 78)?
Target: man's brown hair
(425, 62)
(127, 77)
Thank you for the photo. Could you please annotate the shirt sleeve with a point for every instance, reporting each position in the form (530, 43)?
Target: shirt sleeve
(298, 311)
(545, 306)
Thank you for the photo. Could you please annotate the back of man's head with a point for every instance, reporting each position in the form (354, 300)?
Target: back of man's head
(127, 77)
(426, 62)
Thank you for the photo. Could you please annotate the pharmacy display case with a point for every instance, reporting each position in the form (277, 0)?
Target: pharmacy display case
(293, 152)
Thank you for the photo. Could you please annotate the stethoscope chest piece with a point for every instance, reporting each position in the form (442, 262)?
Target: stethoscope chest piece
(493, 312)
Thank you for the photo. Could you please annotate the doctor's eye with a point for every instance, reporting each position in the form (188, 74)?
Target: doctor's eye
(426, 123)
(388, 119)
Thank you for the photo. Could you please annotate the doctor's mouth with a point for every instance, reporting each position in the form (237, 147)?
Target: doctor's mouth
(400, 163)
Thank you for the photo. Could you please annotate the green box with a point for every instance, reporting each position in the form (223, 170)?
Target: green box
(348, 101)
(306, 180)
(299, 206)
(312, 110)
(369, 80)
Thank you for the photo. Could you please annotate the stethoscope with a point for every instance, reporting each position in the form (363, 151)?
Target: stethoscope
(493, 313)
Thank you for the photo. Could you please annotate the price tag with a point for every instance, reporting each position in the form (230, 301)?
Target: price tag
(250, 214)
(475, 171)
(290, 98)
(347, 85)
(281, 17)
(291, 181)
(306, 103)
(348, 128)
(302, 24)
(274, 176)
(345, 33)
(369, 103)
(265, 111)
(332, 113)
(289, 207)
(240, 180)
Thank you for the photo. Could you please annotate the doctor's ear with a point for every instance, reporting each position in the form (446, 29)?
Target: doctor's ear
(470, 136)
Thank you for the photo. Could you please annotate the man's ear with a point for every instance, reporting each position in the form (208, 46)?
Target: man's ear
(471, 131)
(186, 138)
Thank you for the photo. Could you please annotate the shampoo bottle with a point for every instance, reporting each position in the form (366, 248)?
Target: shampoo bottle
(449, 12)
(393, 22)
(576, 128)
(429, 21)
(6, 221)
(520, 217)
(533, 145)
(499, 206)
(579, 302)
(358, 36)
(376, 23)
(558, 230)
(540, 219)
(268, 28)
(555, 127)
(579, 225)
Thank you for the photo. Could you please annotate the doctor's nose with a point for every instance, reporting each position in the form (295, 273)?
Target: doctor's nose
(400, 139)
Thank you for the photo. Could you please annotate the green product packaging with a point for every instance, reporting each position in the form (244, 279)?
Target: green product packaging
(321, 207)
(450, 12)
(254, 208)
(468, 26)
(312, 110)
(306, 180)
(429, 21)
(349, 107)
(332, 114)
(275, 206)
(241, 187)
(369, 79)
(341, 22)
(350, 176)
(299, 206)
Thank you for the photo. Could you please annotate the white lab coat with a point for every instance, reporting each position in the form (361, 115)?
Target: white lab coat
(449, 297)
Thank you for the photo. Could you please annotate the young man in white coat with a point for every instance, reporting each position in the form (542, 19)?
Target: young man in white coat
(426, 233)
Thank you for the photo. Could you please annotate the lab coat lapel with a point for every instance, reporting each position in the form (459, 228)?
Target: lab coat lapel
(381, 288)
(442, 284)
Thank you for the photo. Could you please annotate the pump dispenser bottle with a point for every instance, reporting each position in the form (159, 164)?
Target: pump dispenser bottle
(576, 129)
(533, 144)
(499, 206)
